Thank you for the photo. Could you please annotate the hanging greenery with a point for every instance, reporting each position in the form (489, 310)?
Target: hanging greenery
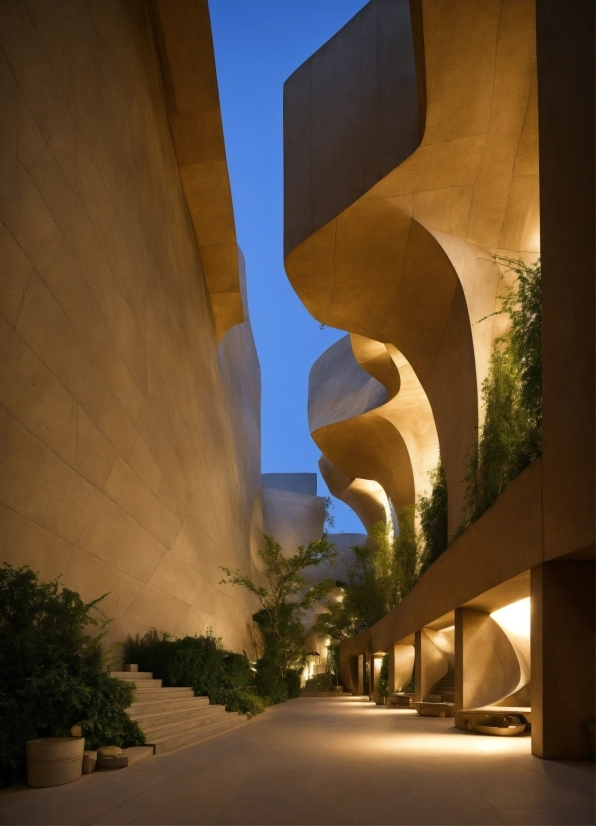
(433, 519)
(511, 436)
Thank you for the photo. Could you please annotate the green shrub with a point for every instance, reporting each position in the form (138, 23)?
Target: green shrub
(433, 518)
(201, 663)
(383, 682)
(240, 700)
(293, 681)
(270, 684)
(511, 436)
(54, 671)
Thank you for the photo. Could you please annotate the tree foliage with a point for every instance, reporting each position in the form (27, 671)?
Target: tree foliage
(54, 671)
(284, 599)
(382, 573)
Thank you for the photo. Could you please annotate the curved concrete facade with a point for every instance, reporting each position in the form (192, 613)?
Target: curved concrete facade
(130, 386)
(399, 253)
(424, 231)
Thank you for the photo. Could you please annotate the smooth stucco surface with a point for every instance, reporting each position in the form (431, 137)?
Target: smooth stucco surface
(130, 441)
(407, 262)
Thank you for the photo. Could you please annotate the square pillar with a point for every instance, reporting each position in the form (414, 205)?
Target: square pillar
(463, 621)
(401, 665)
(429, 664)
(562, 656)
(391, 669)
(361, 674)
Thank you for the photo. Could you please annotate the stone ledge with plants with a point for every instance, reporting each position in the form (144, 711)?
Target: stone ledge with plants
(386, 568)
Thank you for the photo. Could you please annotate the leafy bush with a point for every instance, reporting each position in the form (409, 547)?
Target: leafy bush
(54, 671)
(199, 662)
(241, 700)
(511, 436)
(433, 518)
(293, 681)
(383, 682)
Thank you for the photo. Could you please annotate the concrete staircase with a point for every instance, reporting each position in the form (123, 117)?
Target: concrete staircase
(173, 718)
(318, 687)
(445, 687)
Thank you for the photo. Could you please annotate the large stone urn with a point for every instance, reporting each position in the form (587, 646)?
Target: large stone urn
(54, 761)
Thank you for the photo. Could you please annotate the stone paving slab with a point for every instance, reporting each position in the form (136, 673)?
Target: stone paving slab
(309, 761)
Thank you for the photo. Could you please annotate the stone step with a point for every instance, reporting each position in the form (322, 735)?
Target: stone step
(190, 736)
(311, 693)
(159, 727)
(132, 675)
(143, 695)
(162, 718)
(154, 706)
(145, 685)
(137, 753)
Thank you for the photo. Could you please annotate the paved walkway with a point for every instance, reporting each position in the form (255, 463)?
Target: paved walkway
(326, 761)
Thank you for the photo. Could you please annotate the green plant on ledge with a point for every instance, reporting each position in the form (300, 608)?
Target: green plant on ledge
(511, 436)
(433, 519)
(55, 671)
(381, 575)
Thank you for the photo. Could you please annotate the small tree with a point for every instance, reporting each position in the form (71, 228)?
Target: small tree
(284, 598)
(329, 517)
(336, 622)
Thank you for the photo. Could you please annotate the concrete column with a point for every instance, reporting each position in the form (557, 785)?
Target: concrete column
(391, 668)
(401, 665)
(361, 674)
(486, 666)
(430, 665)
(562, 656)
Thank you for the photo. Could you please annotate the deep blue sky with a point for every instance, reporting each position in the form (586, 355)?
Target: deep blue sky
(258, 44)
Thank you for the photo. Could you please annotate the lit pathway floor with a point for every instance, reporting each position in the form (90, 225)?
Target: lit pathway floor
(326, 761)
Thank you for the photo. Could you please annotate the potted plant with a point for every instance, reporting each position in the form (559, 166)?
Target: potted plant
(54, 761)
(55, 675)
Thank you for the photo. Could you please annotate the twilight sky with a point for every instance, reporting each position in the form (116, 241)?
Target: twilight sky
(258, 44)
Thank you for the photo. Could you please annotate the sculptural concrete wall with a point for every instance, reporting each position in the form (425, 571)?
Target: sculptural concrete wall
(404, 257)
(401, 257)
(130, 433)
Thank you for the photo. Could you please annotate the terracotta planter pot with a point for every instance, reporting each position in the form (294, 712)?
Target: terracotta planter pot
(54, 761)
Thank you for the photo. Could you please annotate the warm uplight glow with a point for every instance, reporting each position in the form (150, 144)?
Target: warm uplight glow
(514, 618)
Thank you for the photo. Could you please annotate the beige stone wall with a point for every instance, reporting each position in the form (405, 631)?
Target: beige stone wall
(124, 470)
